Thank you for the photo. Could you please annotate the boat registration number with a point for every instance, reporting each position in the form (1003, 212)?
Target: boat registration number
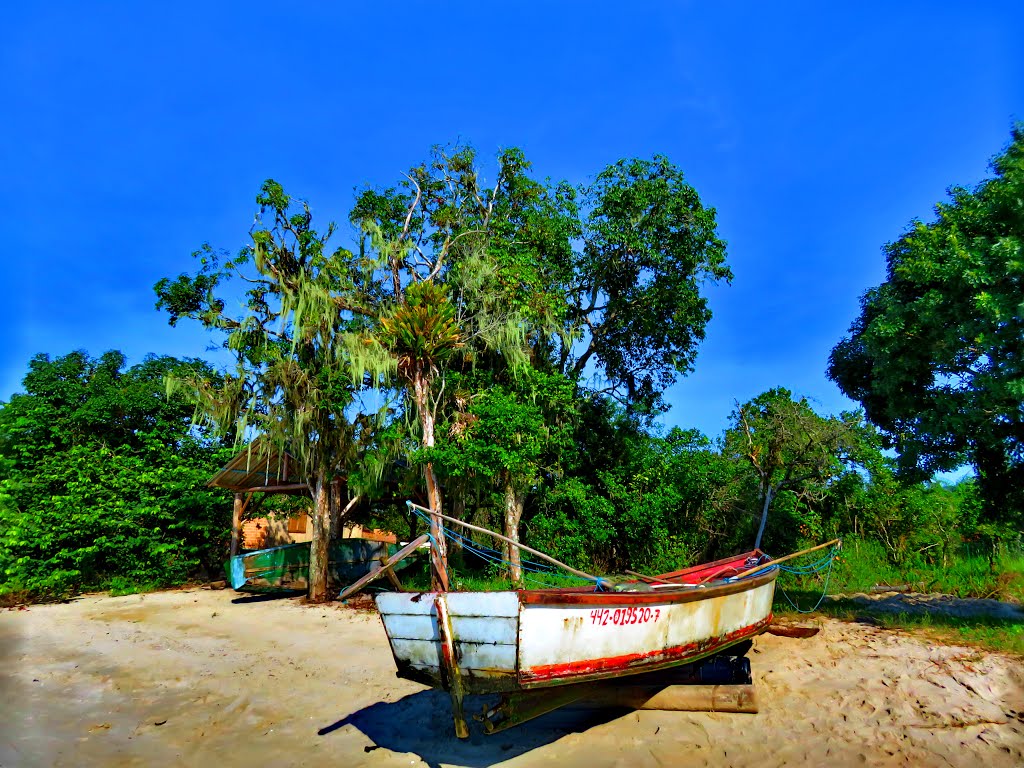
(620, 617)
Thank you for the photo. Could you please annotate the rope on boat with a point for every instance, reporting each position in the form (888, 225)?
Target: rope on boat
(824, 564)
(494, 556)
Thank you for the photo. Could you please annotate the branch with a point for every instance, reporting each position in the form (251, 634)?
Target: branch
(412, 208)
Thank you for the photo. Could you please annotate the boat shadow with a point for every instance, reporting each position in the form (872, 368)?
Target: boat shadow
(421, 723)
(263, 597)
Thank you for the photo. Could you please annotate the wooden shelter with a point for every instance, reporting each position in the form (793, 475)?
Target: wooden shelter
(260, 468)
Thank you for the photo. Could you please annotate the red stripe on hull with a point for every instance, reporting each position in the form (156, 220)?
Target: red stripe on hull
(640, 662)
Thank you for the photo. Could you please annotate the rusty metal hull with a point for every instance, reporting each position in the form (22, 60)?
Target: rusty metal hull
(530, 639)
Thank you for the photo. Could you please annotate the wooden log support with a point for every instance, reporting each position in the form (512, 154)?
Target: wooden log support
(450, 665)
(389, 573)
(385, 567)
(679, 698)
(792, 630)
(517, 708)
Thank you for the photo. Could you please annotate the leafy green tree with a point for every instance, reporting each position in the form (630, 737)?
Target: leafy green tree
(509, 437)
(610, 289)
(293, 385)
(629, 498)
(936, 356)
(463, 269)
(788, 447)
(102, 478)
(649, 246)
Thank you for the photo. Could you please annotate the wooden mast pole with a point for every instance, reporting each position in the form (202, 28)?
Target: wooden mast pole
(523, 547)
(778, 560)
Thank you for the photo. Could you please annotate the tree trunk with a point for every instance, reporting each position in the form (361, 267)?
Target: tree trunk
(236, 523)
(318, 550)
(764, 516)
(515, 499)
(438, 549)
(336, 514)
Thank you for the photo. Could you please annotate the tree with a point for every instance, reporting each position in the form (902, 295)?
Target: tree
(102, 478)
(507, 439)
(635, 306)
(610, 288)
(788, 446)
(293, 384)
(936, 356)
(465, 271)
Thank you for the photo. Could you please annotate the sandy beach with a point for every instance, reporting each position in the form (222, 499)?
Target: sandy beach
(203, 678)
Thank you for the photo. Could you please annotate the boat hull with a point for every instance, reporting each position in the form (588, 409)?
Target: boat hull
(521, 640)
(286, 568)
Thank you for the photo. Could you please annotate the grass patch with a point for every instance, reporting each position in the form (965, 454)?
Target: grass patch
(862, 565)
(989, 633)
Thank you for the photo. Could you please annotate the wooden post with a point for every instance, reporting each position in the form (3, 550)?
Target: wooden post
(236, 523)
(450, 665)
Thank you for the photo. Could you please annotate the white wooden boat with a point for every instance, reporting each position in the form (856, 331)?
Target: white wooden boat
(525, 640)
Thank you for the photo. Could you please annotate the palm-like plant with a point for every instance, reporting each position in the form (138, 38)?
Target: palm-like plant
(422, 333)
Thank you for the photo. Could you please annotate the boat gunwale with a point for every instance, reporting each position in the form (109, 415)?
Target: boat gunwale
(684, 593)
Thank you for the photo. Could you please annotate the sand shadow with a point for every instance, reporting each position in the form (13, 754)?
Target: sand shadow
(421, 724)
(265, 597)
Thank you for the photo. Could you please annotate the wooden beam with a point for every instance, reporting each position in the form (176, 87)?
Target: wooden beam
(516, 544)
(389, 563)
(279, 488)
(390, 575)
(245, 506)
(450, 664)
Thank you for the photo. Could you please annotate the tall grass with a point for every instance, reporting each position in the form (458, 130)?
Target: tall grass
(862, 565)
(968, 573)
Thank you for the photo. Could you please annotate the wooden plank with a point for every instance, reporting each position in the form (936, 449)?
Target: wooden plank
(467, 629)
(478, 657)
(460, 604)
(403, 553)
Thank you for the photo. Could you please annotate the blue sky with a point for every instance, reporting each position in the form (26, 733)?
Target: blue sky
(132, 133)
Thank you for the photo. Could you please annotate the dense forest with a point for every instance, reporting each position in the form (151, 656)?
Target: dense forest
(502, 352)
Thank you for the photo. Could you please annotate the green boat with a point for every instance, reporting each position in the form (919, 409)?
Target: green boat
(286, 568)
